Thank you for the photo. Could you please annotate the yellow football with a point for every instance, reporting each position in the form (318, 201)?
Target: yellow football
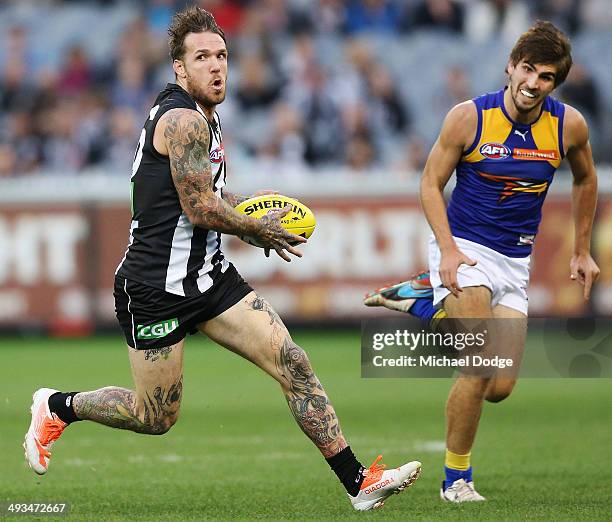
(299, 221)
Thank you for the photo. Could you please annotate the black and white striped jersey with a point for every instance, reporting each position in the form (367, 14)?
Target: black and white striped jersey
(165, 250)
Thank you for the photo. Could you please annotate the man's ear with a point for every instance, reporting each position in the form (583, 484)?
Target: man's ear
(179, 68)
(510, 67)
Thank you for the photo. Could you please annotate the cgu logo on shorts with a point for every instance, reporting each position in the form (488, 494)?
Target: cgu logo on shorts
(494, 151)
(157, 330)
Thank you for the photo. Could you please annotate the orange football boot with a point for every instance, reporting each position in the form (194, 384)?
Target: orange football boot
(45, 429)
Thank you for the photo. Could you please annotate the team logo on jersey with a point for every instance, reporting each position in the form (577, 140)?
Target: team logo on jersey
(217, 155)
(495, 151)
(521, 134)
(513, 186)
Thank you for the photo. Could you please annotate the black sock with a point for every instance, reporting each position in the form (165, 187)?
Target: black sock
(348, 469)
(61, 404)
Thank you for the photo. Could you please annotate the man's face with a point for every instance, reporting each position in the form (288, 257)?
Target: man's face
(530, 84)
(204, 67)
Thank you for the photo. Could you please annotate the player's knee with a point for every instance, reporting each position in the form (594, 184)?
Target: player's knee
(499, 390)
(474, 386)
(156, 414)
(162, 423)
(167, 422)
(293, 363)
(497, 395)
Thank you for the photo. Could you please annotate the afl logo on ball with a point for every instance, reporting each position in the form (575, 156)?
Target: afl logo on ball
(495, 151)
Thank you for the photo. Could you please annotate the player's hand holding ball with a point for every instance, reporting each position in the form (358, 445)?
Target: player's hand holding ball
(285, 223)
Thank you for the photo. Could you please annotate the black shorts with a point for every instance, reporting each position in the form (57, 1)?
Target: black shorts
(153, 318)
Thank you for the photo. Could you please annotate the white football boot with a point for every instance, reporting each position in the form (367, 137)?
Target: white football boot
(460, 491)
(45, 429)
(379, 484)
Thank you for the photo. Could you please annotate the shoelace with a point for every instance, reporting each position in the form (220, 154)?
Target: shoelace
(463, 490)
(376, 469)
(51, 431)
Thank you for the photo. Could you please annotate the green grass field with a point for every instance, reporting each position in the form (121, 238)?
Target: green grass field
(236, 453)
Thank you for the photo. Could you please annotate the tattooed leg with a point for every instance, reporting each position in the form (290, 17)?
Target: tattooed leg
(259, 304)
(153, 408)
(254, 330)
(116, 407)
(307, 399)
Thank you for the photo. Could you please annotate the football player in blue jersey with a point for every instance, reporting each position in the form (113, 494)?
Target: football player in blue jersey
(505, 147)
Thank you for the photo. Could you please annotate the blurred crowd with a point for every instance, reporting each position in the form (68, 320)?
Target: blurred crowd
(307, 89)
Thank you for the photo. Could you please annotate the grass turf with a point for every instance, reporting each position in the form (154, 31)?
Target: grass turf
(237, 454)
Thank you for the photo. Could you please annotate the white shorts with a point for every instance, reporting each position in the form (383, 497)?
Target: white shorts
(506, 277)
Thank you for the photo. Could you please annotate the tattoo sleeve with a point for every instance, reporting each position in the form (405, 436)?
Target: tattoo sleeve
(233, 200)
(308, 401)
(116, 407)
(259, 304)
(187, 138)
(306, 397)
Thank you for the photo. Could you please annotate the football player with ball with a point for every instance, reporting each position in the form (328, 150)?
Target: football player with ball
(174, 279)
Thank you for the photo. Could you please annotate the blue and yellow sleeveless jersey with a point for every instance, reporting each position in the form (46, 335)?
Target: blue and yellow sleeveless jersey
(503, 178)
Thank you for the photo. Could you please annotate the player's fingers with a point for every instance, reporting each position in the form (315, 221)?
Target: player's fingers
(448, 282)
(455, 283)
(443, 278)
(293, 250)
(588, 283)
(284, 245)
(452, 279)
(453, 289)
(281, 253)
(573, 272)
(283, 211)
(278, 214)
(294, 238)
(468, 261)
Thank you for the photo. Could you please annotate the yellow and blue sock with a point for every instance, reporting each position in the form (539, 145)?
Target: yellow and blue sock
(424, 309)
(456, 467)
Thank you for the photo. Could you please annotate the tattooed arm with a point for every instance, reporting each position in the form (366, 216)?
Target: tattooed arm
(234, 200)
(182, 135)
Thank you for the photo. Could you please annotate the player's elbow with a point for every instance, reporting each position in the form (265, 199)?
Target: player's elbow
(197, 212)
(585, 178)
(195, 218)
(428, 188)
